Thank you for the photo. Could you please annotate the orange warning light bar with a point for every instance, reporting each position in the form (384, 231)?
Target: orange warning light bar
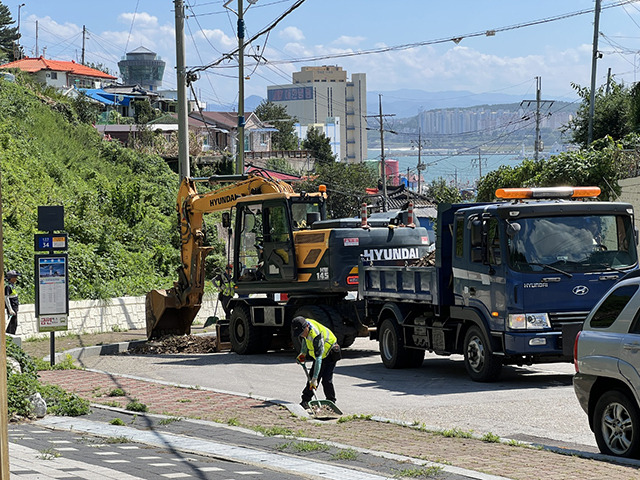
(547, 192)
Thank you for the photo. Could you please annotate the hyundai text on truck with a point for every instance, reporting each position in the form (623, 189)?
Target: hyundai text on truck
(512, 281)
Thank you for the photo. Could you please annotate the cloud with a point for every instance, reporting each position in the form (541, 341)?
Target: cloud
(292, 33)
(139, 20)
(348, 41)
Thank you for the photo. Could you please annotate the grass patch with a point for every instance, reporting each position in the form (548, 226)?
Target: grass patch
(48, 454)
(351, 418)
(117, 392)
(348, 454)
(490, 438)
(454, 433)
(115, 440)
(112, 403)
(306, 447)
(65, 364)
(422, 472)
(170, 420)
(136, 406)
(274, 431)
(116, 421)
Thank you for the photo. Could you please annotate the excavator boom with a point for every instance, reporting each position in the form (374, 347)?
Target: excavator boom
(172, 311)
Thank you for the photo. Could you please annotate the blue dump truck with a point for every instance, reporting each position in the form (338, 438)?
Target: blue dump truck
(510, 282)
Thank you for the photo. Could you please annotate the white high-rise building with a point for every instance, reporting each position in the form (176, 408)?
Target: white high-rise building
(324, 95)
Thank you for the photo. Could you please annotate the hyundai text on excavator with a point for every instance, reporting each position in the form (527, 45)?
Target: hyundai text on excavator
(282, 243)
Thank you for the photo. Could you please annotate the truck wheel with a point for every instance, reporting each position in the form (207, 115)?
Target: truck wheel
(245, 338)
(481, 364)
(392, 350)
(616, 425)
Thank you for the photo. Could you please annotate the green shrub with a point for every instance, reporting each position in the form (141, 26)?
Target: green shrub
(136, 406)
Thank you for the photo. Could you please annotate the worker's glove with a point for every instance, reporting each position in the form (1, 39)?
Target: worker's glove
(313, 383)
(301, 358)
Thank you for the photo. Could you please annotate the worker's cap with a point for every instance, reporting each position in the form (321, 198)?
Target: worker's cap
(298, 324)
(13, 273)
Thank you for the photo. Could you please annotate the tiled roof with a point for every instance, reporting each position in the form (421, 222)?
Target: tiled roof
(33, 65)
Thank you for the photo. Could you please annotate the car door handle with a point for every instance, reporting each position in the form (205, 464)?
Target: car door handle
(631, 346)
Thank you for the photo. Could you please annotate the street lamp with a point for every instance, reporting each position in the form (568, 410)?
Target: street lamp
(18, 31)
(241, 122)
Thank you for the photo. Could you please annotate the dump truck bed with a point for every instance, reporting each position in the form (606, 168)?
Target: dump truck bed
(406, 283)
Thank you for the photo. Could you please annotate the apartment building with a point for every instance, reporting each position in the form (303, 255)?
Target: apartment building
(324, 95)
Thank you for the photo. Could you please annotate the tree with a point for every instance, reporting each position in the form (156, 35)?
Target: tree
(346, 186)
(602, 165)
(441, 192)
(616, 113)
(319, 145)
(285, 138)
(8, 34)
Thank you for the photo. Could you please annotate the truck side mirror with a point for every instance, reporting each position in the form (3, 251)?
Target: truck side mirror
(312, 217)
(513, 229)
(226, 219)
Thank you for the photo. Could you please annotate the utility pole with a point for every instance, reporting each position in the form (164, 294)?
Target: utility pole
(538, 145)
(594, 66)
(479, 165)
(84, 34)
(420, 166)
(183, 126)
(383, 163)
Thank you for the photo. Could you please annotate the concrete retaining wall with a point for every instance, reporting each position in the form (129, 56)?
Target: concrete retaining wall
(96, 316)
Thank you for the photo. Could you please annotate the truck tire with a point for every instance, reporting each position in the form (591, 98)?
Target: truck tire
(481, 364)
(392, 349)
(616, 425)
(245, 338)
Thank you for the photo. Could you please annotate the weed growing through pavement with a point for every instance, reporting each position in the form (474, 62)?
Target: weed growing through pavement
(490, 438)
(112, 404)
(117, 392)
(423, 472)
(274, 431)
(454, 433)
(184, 400)
(305, 447)
(136, 406)
(120, 439)
(283, 446)
(116, 421)
(348, 454)
(351, 418)
(48, 454)
(234, 422)
(167, 421)
(515, 443)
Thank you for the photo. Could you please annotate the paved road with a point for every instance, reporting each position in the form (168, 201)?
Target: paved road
(528, 403)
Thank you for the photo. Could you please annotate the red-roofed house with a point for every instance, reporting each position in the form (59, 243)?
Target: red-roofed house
(61, 74)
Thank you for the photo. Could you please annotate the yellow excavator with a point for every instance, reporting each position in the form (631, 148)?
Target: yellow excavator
(288, 260)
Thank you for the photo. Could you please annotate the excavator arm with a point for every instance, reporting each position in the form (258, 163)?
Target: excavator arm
(172, 311)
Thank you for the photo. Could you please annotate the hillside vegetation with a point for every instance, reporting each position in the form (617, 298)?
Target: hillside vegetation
(119, 205)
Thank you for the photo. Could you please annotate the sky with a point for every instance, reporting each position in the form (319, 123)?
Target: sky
(414, 41)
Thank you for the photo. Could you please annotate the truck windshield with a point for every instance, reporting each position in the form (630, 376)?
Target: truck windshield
(583, 243)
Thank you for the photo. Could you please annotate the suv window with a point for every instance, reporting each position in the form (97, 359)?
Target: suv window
(612, 306)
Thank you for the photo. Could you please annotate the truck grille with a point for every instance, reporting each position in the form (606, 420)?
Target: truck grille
(561, 318)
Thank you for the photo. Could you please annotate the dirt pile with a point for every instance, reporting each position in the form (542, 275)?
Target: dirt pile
(171, 344)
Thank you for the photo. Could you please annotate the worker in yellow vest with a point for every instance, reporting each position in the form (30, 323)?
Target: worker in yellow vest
(322, 346)
(224, 283)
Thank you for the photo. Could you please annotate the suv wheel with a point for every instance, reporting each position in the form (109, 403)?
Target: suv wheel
(616, 425)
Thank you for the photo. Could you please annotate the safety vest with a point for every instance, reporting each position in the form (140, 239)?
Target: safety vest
(228, 288)
(327, 335)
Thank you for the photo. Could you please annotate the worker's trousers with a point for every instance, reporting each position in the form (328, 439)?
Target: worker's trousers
(325, 377)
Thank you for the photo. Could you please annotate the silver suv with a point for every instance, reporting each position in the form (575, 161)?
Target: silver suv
(607, 360)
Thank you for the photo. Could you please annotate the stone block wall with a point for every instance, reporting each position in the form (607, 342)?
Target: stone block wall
(97, 316)
(631, 194)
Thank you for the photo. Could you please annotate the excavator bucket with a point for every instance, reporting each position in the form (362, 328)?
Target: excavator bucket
(165, 317)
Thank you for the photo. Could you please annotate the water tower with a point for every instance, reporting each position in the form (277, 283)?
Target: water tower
(142, 67)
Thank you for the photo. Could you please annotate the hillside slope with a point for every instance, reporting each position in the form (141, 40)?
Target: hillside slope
(119, 205)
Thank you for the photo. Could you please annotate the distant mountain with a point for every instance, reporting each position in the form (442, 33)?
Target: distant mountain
(250, 104)
(409, 102)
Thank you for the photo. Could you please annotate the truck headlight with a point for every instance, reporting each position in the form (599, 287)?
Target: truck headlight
(529, 321)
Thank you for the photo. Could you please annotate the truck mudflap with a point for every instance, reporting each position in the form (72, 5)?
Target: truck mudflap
(164, 315)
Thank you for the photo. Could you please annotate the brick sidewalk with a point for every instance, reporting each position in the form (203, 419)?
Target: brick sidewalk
(516, 462)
